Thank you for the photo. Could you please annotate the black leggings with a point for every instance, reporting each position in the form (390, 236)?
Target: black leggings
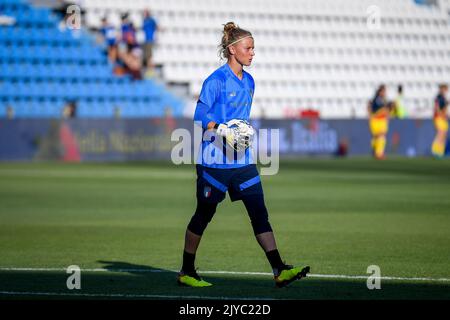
(256, 210)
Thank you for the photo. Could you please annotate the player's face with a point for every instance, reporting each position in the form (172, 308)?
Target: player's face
(244, 51)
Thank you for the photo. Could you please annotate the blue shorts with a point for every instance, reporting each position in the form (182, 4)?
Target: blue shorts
(213, 183)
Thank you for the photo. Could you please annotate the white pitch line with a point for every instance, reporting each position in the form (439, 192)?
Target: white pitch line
(124, 295)
(312, 275)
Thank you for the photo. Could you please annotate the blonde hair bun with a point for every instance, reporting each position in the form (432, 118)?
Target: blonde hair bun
(231, 33)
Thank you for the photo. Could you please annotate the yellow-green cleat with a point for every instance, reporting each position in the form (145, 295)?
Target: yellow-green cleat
(191, 279)
(290, 274)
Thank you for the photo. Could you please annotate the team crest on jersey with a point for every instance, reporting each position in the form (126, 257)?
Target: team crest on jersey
(232, 94)
(207, 191)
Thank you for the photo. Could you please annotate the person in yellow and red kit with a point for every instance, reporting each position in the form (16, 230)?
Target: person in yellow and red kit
(440, 122)
(379, 122)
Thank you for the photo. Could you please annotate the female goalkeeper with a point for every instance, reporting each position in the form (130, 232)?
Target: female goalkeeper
(226, 95)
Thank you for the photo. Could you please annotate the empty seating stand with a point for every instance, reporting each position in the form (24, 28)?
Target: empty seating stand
(322, 54)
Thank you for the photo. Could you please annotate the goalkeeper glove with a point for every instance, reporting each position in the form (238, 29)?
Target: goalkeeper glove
(230, 134)
(223, 131)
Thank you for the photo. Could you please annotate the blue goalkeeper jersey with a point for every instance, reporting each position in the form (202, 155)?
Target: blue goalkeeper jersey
(223, 97)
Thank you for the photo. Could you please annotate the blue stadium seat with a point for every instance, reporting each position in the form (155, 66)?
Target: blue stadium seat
(3, 108)
(42, 67)
(13, 6)
(41, 109)
(101, 110)
(7, 89)
(24, 109)
(6, 71)
(83, 109)
(4, 53)
(55, 91)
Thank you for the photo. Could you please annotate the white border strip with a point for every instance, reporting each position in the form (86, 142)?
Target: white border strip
(325, 276)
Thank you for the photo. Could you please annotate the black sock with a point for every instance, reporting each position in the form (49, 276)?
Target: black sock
(275, 260)
(188, 262)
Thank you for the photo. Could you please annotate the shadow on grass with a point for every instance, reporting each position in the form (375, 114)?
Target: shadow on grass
(131, 281)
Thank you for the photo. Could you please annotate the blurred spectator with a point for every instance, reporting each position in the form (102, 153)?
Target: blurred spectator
(128, 32)
(119, 68)
(130, 37)
(170, 122)
(117, 112)
(440, 120)
(378, 109)
(150, 27)
(398, 109)
(124, 51)
(129, 52)
(391, 108)
(131, 61)
(109, 34)
(9, 112)
(342, 149)
(70, 110)
(125, 22)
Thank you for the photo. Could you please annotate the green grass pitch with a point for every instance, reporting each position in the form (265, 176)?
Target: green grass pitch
(338, 216)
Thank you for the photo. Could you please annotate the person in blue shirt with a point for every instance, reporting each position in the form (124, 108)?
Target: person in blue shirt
(125, 25)
(227, 94)
(149, 27)
(128, 33)
(109, 34)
